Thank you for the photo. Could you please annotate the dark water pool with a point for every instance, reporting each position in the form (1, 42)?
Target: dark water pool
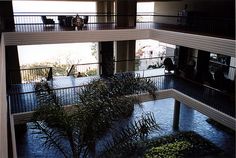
(30, 146)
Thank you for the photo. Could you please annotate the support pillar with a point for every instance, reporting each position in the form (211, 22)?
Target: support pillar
(125, 50)
(125, 55)
(6, 16)
(12, 63)
(106, 55)
(126, 13)
(176, 115)
(11, 56)
(105, 8)
(202, 66)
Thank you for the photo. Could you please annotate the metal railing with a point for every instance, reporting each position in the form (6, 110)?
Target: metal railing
(229, 71)
(141, 64)
(29, 101)
(82, 70)
(193, 23)
(30, 75)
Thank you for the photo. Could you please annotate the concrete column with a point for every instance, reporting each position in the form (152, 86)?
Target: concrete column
(125, 50)
(110, 11)
(126, 13)
(7, 24)
(12, 62)
(105, 9)
(176, 115)
(125, 55)
(6, 16)
(203, 58)
(106, 55)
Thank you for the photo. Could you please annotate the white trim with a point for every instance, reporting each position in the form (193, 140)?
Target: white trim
(3, 103)
(12, 128)
(13, 136)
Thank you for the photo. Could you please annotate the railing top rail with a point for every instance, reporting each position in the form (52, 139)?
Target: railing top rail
(144, 58)
(80, 86)
(30, 68)
(218, 63)
(204, 85)
(113, 14)
(86, 64)
(35, 91)
(126, 60)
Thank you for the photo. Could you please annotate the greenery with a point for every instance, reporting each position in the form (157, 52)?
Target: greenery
(94, 50)
(91, 72)
(182, 144)
(172, 150)
(103, 116)
(58, 67)
(103, 103)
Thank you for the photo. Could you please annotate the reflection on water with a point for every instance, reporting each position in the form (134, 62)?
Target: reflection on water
(29, 146)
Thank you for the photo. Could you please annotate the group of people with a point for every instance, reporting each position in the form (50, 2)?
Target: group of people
(78, 22)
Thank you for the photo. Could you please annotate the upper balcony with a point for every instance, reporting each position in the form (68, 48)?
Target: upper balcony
(41, 22)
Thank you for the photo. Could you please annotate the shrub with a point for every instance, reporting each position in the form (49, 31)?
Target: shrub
(172, 150)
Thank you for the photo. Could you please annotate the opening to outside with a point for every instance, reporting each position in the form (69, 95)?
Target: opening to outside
(145, 10)
(151, 54)
(61, 57)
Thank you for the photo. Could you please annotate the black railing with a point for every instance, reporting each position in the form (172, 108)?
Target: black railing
(29, 101)
(82, 70)
(228, 71)
(193, 23)
(30, 74)
(140, 64)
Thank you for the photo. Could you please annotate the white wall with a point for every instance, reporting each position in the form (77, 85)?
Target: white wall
(3, 103)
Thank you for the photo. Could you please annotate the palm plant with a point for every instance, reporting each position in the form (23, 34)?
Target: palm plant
(102, 103)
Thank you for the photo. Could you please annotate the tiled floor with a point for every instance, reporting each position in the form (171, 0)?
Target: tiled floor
(30, 146)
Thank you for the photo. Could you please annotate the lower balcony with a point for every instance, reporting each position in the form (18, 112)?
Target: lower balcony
(23, 97)
(198, 103)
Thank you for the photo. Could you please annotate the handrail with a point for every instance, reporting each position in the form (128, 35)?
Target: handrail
(143, 58)
(87, 63)
(215, 26)
(219, 63)
(68, 95)
(111, 14)
(30, 68)
(203, 85)
(29, 74)
(50, 74)
(71, 69)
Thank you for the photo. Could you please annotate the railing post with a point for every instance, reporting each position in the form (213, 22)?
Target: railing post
(176, 115)
(71, 70)
(49, 74)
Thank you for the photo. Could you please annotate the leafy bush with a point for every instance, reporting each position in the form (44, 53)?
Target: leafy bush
(172, 150)
(199, 145)
(102, 103)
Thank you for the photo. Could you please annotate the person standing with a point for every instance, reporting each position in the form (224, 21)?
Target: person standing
(183, 15)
